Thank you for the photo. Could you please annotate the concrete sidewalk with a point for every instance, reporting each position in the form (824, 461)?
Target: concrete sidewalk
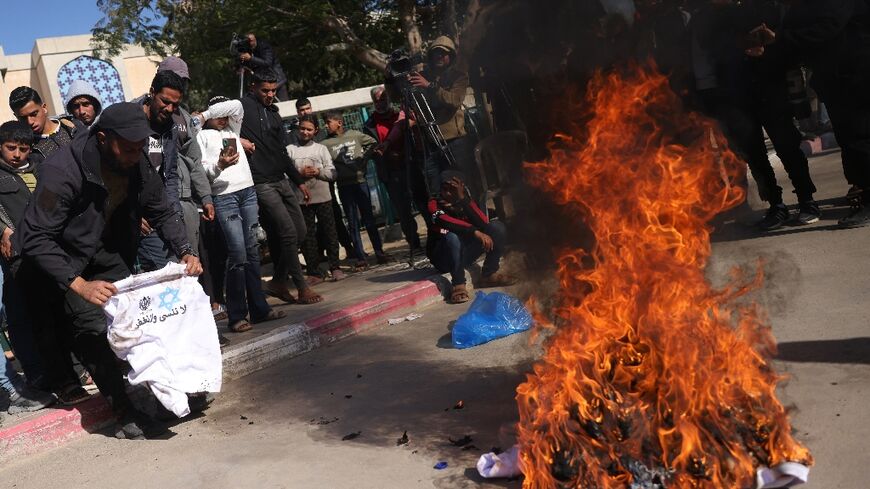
(360, 302)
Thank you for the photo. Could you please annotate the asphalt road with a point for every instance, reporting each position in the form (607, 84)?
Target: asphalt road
(283, 427)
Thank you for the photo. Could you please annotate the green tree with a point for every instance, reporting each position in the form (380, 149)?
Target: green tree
(324, 46)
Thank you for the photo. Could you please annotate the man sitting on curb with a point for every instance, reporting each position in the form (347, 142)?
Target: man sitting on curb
(460, 234)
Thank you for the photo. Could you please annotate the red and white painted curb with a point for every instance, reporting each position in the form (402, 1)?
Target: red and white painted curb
(54, 427)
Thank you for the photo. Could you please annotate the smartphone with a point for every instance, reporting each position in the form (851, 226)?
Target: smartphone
(230, 143)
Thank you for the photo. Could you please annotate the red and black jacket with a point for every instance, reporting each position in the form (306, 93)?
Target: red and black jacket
(462, 218)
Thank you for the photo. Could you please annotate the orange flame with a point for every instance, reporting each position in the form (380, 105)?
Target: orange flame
(651, 373)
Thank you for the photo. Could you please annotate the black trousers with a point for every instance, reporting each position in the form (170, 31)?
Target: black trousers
(850, 117)
(320, 221)
(79, 326)
(284, 223)
(213, 256)
(341, 231)
(399, 186)
(746, 123)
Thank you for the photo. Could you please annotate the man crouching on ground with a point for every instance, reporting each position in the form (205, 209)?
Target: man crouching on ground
(460, 234)
(80, 234)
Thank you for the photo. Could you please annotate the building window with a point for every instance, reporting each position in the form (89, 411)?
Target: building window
(101, 74)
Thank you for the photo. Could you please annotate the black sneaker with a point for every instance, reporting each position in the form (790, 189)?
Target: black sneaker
(859, 216)
(26, 400)
(776, 216)
(199, 402)
(808, 212)
(853, 196)
(135, 425)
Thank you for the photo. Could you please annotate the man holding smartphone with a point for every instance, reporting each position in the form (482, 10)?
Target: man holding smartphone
(237, 212)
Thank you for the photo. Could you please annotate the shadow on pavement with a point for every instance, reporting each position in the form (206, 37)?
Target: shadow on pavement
(446, 341)
(399, 384)
(848, 350)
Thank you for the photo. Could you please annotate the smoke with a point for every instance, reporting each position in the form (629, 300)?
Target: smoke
(782, 282)
(533, 62)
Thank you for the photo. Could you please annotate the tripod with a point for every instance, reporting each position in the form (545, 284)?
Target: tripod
(415, 100)
(241, 82)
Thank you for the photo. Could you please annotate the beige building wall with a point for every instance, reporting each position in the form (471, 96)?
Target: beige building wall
(140, 72)
(39, 70)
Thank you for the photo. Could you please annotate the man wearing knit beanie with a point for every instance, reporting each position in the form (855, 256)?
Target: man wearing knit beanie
(83, 102)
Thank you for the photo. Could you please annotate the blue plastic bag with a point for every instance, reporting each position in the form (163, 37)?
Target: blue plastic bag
(491, 316)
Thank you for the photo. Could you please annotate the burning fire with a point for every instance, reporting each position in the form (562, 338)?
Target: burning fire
(653, 378)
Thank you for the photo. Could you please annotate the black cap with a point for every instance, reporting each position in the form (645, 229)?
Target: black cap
(451, 174)
(127, 120)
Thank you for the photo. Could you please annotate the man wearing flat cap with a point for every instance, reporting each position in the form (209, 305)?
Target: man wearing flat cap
(80, 234)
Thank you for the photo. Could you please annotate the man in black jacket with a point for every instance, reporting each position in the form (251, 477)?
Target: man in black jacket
(265, 141)
(80, 234)
(831, 37)
(261, 56)
(757, 103)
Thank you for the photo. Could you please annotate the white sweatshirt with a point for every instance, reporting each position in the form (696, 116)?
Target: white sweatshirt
(235, 177)
(317, 156)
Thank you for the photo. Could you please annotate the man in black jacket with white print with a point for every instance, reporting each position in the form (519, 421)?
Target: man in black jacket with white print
(80, 233)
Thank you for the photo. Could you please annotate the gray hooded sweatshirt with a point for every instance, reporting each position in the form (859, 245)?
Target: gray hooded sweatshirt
(79, 88)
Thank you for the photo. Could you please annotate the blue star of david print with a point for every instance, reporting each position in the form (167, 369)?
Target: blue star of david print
(168, 298)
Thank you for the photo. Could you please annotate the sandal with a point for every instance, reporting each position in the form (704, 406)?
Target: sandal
(240, 326)
(459, 295)
(72, 395)
(272, 316)
(496, 280)
(219, 312)
(279, 290)
(313, 280)
(337, 275)
(360, 266)
(308, 296)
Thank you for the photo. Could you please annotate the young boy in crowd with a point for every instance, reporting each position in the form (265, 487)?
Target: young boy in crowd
(17, 182)
(461, 232)
(348, 150)
(314, 162)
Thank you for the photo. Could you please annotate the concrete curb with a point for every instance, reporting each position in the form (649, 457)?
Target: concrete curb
(296, 339)
(55, 427)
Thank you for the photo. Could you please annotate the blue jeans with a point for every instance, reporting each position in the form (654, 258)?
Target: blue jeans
(356, 201)
(454, 253)
(237, 215)
(153, 253)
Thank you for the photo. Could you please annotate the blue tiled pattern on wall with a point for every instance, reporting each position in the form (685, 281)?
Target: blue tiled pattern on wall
(101, 74)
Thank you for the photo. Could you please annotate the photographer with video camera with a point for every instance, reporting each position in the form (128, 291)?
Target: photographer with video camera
(433, 99)
(254, 54)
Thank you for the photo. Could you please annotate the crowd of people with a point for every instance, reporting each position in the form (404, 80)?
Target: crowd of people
(91, 196)
(94, 195)
(755, 66)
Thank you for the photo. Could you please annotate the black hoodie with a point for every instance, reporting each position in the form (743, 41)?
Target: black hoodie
(264, 127)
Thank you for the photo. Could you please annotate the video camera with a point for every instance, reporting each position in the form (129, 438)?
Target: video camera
(239, 45)
(401, 64)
